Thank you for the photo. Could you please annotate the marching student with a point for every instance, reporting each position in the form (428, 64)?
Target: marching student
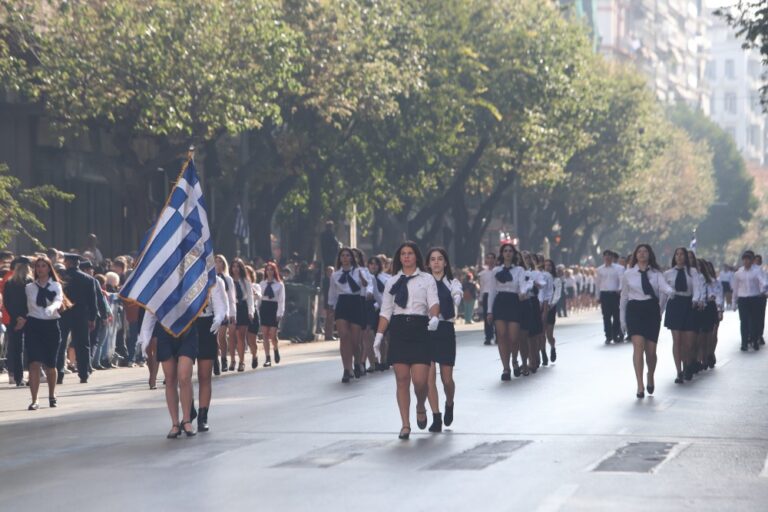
(761, 316)
(344, 297)
(442, 341)
(714, 309)
(222, 270)
(42, 334)
(15, 303)
(749, 286)
(255, 325)
(486, 277)
(531, 327)
(552, 298)
(271, 310)
(366, 280)
(410, 308)
(643, 294)
(507, 291)
(208, 324)
(679, 316)
(607, 288)
(244, 309)
(692, 362)
(726, 276)
(379, 279)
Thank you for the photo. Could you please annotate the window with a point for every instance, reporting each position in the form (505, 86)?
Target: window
(712, 70)
(730, 69)
(730, 103)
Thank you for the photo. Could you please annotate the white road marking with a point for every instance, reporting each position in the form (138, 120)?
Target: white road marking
(674, 452)
(764, 472)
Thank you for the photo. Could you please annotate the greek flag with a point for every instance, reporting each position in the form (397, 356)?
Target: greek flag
(241, 224)
(692, 245)
(175, 269)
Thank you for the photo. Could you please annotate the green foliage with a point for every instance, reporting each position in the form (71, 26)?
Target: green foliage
(17, 205)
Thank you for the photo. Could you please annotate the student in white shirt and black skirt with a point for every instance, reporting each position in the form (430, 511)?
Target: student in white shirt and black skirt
(643, 294)
(680, 314)
(553, 298)
(271, 310)
(443, 340)
(410, 309)
(347, 288)
(42, 335)
(245, 308)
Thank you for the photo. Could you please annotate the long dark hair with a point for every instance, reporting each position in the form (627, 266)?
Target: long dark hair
(442, 251)
(379, 265)
(240, 264)
(554, 267)
(359, 257)
(515, 254)
(53, 276)
(651, 256)
(397, 265)
(687, 260)
(351, 255)
(704, 269)
(693, 259)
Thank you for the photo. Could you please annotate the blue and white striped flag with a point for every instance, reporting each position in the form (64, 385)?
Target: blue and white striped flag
(175, 269)
(241, 224)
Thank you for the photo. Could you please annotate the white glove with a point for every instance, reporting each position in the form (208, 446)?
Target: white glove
(144, 344)
(433, 323)
(377, 345)
(50, 310)
(215, 326)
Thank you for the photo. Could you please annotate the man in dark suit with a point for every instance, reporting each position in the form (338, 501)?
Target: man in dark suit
(80, 319)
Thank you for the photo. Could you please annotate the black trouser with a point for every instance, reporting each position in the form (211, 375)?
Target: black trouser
(750, 309)
(75, 323)
(609, 305)
(761, 318)
(15, 352)
(488, 325)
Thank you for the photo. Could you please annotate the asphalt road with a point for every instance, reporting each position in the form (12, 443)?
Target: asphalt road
(292, 437)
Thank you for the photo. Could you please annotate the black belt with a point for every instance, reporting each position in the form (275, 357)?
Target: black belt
(410, 318)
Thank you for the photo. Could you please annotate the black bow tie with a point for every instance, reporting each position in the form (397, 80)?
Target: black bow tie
(446, 302)
(44, 295)
(504, 275)
(646, 284)
(346, 278)
(400, 290)
(681, 283)
(269, 292)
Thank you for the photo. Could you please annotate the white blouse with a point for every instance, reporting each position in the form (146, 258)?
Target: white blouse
(457, 293)
(377, 295)
(51, 311)
(632, 289)
(547, 289)
(714, 293)
(693, 282)
(247, 291)
(218, 302)
(422, 295)
(336, 288)
(229, 286)
(279, 297)
(518, 284)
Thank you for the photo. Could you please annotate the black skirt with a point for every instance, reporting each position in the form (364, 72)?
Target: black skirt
(726, 287)
(644, 319)
(371, 315)
(442, 344)
(680, 314)
(350, 308)
(709, 318)
(409, 340)
(532, 320)
(507, 307)
(552, 315)
(241, 319)
(255, 324)
(169, 347)
(41, 341)
(268, 313)
(208, 348)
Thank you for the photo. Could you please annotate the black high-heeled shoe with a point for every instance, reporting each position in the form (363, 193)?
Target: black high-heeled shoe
(232, 366)
(679, 379)
(553, 354)
(189, 433)
(516, 371)
(641, 394)
(651, 388)
(448, 416)
(223, 363)
(33, 406)
(277, 356)
(506, 376)
(437, 423)
(216, 367)
(345, 378)
(52, 401)
(202, 420)
(405, 433)
(254, 362)
(356, 371)
(544, 358)
(172, 434)
(421, 423)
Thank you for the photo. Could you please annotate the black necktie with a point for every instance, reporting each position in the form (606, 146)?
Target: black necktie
(44, 295)
(239, 292)
(379, 285)
(269, 292)
(504, 276)
(646, 283)
(400, 290)
(346, 278)
(446, 302)
(681, 283)
(226, 285)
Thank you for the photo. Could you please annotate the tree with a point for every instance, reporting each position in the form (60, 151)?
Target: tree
(750, 19)
(735, 202)
(17, 205)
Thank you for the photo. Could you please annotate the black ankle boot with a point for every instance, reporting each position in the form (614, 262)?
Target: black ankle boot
(202, 420)
(437, 422)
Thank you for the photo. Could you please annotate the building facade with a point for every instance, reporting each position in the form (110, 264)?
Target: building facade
(665, 39)
(735, 76)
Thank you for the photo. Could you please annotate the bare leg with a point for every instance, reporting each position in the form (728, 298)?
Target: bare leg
(502, 340)
(232, 343)
(345, 344)
(184, 378)
(449, 386)
(403, 379)
(253, 344)
(677, 350)
(241, 333)
(513, 340)
(51, 375)
(651, 359)
(638, 344)
(420, 377)
(34, 380)
(152, 364)
(432, 395)
(204, 372)
(171, 390)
